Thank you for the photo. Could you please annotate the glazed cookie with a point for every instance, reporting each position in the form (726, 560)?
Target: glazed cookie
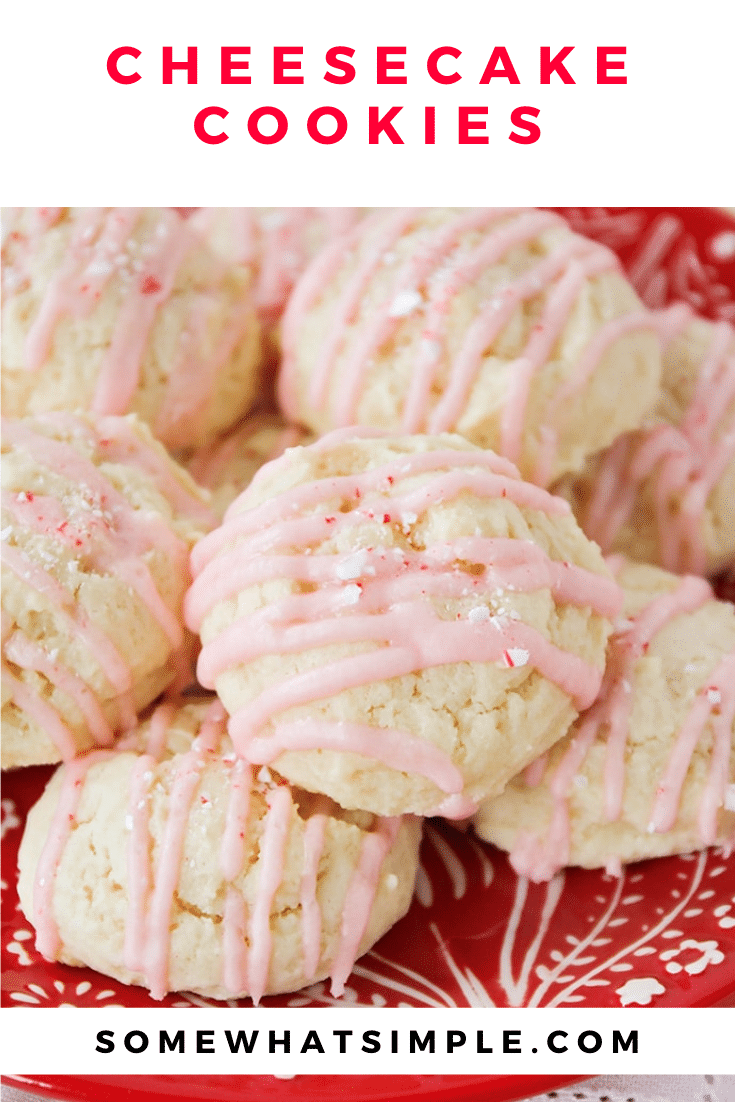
(97, 525)
(123, 310)
(399, 623)
(276, 243)
(178, 868)
(665, 493)
(228, 465)
(650, 768)
(501, 325)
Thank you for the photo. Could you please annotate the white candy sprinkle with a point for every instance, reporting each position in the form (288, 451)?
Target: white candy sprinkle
(351, 594)
(714, 696)
(391, 882)
(22, 496)
(409, 518)
(264, 776)
(352, 567)
(99, 267)
(432, 350)
(6, 533)
(478, 614)
(404, 303)
(730, 797)
(128, 822)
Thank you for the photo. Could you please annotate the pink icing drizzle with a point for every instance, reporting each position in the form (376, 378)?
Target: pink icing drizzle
(311, 915)
(360, 894)
(167, 872)
(48, 942)
(272, 861)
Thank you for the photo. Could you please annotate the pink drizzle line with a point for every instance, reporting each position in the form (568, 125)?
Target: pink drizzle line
(359, 900)
(168, 870)
(683, 462)
(140, 873)
(272, 859)
(48, 942)
(438, 271)
(539, 858)
(311, 915)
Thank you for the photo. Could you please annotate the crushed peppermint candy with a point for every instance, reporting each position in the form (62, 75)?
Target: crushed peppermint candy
(128, 822)
(99, 267)
(353, 566)
(404, 304)
(6, 533)
(478, 614)
(515, 656)
(432, 350)
(714, 696)
(264, 776)
(351, 594)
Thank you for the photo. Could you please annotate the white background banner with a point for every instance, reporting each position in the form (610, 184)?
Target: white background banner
(622, 104)
(363, 1041)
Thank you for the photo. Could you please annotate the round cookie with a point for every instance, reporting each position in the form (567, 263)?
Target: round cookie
(650, 768)
(664, 494)
(400, 623)
(177, 868)
(125, 310)
(229, 464)
(97, 526)
(499, 324)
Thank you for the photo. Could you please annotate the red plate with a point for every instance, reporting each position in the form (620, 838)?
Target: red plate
(477, 935)
(314, 1088)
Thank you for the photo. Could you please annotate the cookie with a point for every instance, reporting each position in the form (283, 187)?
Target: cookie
(649, 770)
(123, 310)
(229, 464)
(97, 526)
(399, 623)
(664, 494)
(179, 867)
(499, 324)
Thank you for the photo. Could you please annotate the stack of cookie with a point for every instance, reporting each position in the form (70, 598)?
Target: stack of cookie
(397, 620)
